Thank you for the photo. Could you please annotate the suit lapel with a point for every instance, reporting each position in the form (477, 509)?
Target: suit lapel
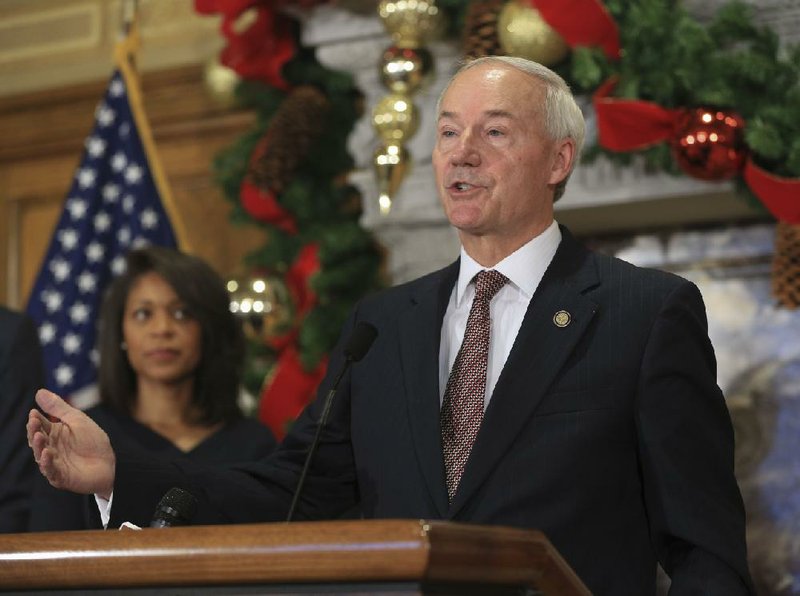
(539, 352)
(420, 335)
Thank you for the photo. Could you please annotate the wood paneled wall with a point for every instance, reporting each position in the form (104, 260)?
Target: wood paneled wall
(41, 143)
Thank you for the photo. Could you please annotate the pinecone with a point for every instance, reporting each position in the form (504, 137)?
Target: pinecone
(294, 128)
(480, 29)
(786, 265)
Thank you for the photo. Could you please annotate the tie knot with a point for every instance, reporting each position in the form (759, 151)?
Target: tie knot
(487, 283)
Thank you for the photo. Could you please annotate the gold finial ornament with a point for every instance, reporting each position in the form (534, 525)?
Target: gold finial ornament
(391, 166)
(405, 68)
(523, 32)
(220, 82)
(263, 304)
(395, 118)
(410, 22)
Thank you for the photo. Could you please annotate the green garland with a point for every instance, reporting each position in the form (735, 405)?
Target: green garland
(325, 209)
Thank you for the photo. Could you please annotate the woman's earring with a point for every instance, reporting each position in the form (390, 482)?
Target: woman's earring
(123, 346)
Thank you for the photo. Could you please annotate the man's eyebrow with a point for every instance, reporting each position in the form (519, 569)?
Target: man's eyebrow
(487, 113)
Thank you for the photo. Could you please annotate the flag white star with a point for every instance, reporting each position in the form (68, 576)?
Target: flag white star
(149, 219)
(64, 374)
(102, 221)
(71, 343)
(94, 356)
(79, 313)
(105, 115)
(133, 174)
(118, 265)
(76, 207)
(124, 130)
(95, 252)
(68, 238)
(124, 236)
(86, 177)
(95, 146)
(87, 282)
(52, 301)
(47, 333)
(111, 192)
(60, 269)
(128, 203)
(116, 88)
(119, 161)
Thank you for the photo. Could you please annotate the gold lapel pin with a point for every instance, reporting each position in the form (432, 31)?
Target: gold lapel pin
(562, 318)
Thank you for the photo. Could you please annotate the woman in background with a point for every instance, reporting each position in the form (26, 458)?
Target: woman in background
(171, 356)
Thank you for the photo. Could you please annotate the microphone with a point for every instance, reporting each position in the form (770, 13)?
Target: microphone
(176, 508)
(354, 350)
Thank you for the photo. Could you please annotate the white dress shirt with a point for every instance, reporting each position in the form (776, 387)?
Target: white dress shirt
(524, 269)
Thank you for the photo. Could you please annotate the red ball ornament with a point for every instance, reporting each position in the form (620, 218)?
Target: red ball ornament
(709, 143)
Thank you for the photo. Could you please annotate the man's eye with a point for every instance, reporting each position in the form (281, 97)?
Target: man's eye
(448, 133)
(495, 133)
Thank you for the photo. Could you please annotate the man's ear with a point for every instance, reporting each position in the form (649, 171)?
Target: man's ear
(564, 155)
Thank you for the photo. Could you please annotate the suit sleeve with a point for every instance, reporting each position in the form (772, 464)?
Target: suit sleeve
(21, 374)
(686, 443)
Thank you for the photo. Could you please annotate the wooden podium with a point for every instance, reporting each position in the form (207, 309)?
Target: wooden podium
(340, 557)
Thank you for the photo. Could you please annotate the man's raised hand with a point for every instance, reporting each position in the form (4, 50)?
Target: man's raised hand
(72, 452)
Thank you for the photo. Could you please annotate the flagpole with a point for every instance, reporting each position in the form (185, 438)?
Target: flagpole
(125, 53)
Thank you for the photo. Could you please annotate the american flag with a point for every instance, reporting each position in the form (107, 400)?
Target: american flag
(113, 205)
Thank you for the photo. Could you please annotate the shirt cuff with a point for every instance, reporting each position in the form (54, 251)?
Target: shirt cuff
(105, 508)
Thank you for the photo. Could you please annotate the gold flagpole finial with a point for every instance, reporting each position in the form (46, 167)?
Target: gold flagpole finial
(129, 10)
(127, 45)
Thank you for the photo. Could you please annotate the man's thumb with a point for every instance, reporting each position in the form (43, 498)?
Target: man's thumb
(52, 405)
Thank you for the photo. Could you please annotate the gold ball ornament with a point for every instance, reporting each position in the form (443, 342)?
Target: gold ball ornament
(523, 32)
(395, 118)
(391, 163)
(220, 81)
(410, 22)
(405, 70)
(263, 304)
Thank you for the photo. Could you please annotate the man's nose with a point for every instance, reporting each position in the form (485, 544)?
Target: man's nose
(466, 152)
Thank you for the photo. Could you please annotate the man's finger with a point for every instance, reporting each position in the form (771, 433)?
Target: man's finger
(52, 405)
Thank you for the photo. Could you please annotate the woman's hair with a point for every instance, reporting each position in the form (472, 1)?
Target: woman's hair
(218, 374)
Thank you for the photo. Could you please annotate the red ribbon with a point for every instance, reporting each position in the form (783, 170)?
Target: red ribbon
(305, 265)
(263, 206)
(780, 195)
(260, 51)
(629, 124)
(291, 390)
(303, 296)
(581, 23)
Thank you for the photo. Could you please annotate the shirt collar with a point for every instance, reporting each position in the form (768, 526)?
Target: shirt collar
(524, 267)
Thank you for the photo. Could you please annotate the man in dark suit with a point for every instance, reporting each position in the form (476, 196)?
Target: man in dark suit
(561, 390)
(21, 374)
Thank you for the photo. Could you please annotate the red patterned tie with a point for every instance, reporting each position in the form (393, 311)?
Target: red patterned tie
(462, 407)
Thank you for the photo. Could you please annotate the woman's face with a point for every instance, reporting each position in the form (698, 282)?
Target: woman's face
(164, 341)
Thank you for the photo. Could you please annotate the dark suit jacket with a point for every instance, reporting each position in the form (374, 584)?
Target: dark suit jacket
(21, 374)
(609, 434)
